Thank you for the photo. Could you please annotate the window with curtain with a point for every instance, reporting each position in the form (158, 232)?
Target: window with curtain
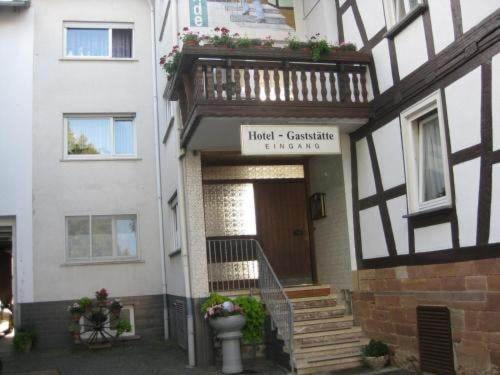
(94, 137)
(101, 237)
(431, 168)
(425, 155)
(397, 10)
(105, 42)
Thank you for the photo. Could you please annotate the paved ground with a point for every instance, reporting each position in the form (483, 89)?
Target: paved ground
(127, 358)
(134, 358)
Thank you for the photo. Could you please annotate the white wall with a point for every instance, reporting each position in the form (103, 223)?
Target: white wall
(331, 234)
(320, 18)
(16, 113)
(92, 187)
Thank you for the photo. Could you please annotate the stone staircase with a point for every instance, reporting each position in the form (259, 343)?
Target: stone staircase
(325, 338)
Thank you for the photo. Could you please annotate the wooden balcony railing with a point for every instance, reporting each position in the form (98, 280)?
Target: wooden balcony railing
(272, 82)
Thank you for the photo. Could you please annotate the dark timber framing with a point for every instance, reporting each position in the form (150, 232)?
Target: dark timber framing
(472, 50)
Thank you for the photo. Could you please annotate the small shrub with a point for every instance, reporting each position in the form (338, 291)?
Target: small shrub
(24, 339)
(122, 326)
(375, 349)
(243, 42)
(85, 303)
(255, 316)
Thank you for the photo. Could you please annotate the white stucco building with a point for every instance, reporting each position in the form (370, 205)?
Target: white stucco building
(357, 192)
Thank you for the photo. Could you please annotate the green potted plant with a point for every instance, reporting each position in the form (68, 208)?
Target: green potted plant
(115, 307)
(122, 326)
(24, 340)
(319, 46)
(76, 311)
(170, 63)
(222, 38)
(294, 44)
(74, 329)
(267, 42)
(376, 354)
(243, 42)
(85, 304)
(189, 38)
(347, 46)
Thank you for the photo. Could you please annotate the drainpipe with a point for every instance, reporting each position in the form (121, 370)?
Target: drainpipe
(156, 121)
(174, 10)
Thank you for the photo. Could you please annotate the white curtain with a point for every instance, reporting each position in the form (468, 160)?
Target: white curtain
(124, 137)
(432, 160)
(87, 42)
(122, 43)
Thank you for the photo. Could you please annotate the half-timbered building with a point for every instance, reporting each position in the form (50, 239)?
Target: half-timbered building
(408, 229)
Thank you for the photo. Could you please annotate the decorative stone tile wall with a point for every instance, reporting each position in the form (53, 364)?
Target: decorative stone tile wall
(385, 304)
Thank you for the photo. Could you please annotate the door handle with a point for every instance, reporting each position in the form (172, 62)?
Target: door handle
(298, 232)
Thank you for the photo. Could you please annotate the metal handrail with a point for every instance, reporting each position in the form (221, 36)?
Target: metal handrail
(242, 264)
(277, 302)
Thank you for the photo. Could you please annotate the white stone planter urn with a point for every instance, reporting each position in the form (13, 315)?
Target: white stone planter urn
(228, 330)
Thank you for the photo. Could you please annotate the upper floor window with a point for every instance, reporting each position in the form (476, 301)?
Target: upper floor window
(97, 137)
(397, 10)
(96, 40)
(426, 159)
(175, 223)
(101, 237)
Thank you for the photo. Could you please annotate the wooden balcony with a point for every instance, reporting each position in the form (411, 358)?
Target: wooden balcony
(268, 83)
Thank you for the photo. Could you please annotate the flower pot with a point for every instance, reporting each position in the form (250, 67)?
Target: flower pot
(191, 43)
(376, 363)
(76, 337)
(229, 332)
(76, 317)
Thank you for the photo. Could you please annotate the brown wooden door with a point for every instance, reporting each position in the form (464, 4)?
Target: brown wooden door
(282, 228)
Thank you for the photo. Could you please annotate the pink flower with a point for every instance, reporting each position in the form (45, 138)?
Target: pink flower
(217, 29)
(185, 28)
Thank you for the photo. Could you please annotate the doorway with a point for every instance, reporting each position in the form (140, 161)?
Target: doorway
(283, 229)
(245, 199)
(6, 273)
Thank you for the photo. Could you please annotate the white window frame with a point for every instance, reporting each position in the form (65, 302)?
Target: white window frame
(104, 259)
(98, 25)
(391, 12)
(175, 225)
(411, 145)
(112, 118)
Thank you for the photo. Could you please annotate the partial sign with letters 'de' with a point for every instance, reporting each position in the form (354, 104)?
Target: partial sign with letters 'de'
(289, 140)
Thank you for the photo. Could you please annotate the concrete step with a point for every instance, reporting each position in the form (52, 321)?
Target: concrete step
(330, 366)
(322, 325)
(327, 357)
(317, 339)
(307, 291)
(319, 313)
(327, 349)
(312, 302)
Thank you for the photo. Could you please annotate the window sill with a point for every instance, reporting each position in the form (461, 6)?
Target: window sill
(401, 25)
(132, 158)
(174, 253)
(430, 212)
(102, 262)
(79, 58)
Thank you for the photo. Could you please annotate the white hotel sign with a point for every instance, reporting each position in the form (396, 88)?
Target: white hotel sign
(289, 139)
